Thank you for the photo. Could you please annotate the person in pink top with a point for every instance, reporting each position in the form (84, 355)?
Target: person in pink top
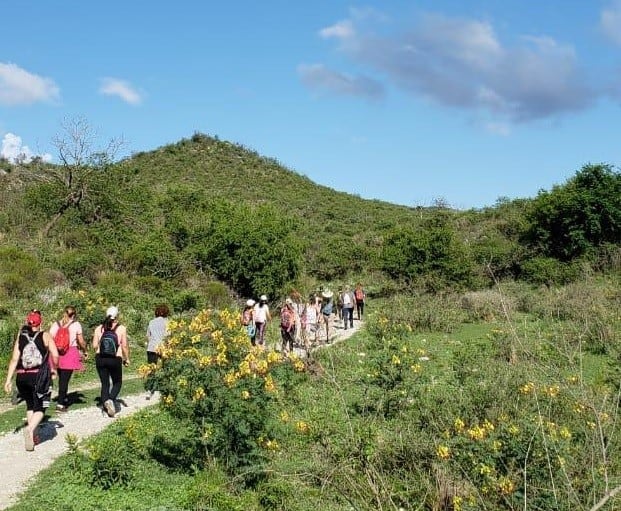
(72, 359)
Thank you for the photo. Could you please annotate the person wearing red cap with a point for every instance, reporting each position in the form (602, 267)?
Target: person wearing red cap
(32, 352)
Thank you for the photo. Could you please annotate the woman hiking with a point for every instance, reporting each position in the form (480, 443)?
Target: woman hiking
(69, 356)
(34, 361)
(111, 353)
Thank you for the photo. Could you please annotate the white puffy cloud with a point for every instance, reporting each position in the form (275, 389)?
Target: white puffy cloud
(463, 63)
(19, 87)
(120, 88)
(14, 150)
(610, 22)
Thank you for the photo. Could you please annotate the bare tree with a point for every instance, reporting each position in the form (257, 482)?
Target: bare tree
(79, 161)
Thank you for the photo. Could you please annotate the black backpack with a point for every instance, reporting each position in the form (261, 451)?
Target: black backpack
(109, 343)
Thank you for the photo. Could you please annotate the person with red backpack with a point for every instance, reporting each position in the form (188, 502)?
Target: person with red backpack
(360, 297)
(69, 341)
(111, 354)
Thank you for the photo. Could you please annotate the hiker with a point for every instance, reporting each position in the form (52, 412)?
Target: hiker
(287, 326)
(30, 361)
(156, 332)
(71, 347)
(247, 320)
(327, 308)
(347, 298)
(339, 304)
(298, 308)
(261, 317)
(360, 297)
(311, 319)
(111, 353)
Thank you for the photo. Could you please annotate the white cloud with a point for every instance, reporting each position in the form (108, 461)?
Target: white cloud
(121, 89)
(610, 22)
(14, 150)
(319, 77)
(498, 128)
(463, 63)
(340, 30)
(19, 87)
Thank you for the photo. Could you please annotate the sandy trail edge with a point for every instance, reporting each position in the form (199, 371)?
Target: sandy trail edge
(18, 466)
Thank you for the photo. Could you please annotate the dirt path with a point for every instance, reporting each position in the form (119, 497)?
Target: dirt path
(18, 467)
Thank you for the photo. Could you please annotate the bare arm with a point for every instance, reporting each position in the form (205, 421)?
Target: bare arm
(8, 385)
(124, 344)
(51, 347)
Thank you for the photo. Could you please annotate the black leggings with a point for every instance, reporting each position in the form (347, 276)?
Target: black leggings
(360, 308)
(109, 369)
(64, 375)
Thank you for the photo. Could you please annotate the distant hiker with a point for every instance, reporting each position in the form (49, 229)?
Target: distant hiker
(261, 317)
(69, 341)
(327, 308)
(34, 361)
(360, 297)
(247, 320)
(348, 307)
(310, 320)
(339, 303)
(157, 330)
(287, 325)
(112, 352)
(298, 307)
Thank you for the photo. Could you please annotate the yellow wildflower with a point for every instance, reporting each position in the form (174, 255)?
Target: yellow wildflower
(443, 452)
(302, 427)
(458, 424)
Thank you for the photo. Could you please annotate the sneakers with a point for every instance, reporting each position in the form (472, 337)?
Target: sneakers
(109, 407)
(28, 440)
(61, 408)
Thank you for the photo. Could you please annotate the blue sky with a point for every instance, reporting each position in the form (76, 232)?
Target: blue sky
(404, 101)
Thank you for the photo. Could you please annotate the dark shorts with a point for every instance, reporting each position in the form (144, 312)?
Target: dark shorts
(25, 383)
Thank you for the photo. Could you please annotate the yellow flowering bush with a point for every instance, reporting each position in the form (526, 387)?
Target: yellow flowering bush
(229, 391)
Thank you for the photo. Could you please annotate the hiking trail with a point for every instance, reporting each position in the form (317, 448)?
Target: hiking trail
(19, 467)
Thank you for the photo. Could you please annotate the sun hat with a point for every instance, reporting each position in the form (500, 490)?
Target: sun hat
(34, 318)
(263, 298)
(327, 294)
(250, 302)
(112, 312)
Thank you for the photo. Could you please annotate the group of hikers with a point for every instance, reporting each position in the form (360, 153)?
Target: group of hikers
(305, 323)
(39, 356)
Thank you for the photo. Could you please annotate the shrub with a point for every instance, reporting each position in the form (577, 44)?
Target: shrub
(222, 388)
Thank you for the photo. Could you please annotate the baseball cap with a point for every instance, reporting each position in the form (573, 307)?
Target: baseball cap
(34, 318)
(263, 298)
(112, 312)
(250, 302)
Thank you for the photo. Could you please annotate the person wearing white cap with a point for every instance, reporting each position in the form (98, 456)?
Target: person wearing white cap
(261, 317)
(247, 320)
(112, 352)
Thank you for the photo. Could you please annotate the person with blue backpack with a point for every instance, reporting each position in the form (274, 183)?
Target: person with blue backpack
(111, 354)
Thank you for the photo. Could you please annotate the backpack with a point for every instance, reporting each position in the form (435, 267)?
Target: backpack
(246, 317)
(286, 318)
(61, 338)
(108, 343)
(31, 355)
(359, 295)
(346, 299)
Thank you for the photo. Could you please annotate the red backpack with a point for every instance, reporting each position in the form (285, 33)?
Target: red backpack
(62, 338)
(286, 318)
(359, 294)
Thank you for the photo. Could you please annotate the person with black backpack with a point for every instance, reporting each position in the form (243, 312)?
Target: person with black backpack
(34, 361)
(111, 354)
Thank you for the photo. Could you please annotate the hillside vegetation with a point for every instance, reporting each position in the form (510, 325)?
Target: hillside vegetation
(486, 376)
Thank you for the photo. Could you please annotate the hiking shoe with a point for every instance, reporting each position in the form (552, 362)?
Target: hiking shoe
(61, 408)
(109, 407)
(28, 440)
